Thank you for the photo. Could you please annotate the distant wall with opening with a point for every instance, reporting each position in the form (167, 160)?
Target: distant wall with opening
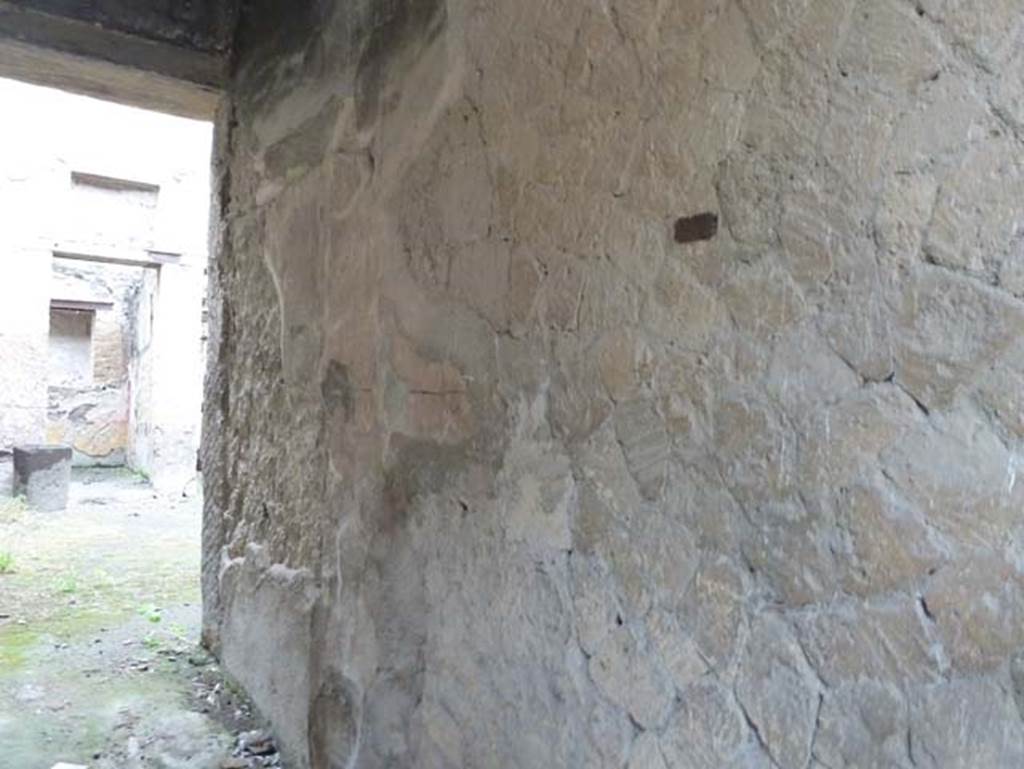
(108, 247)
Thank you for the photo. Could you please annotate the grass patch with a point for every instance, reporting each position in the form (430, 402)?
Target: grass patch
(15, 644)
(68, 584)
(6, 563)
(134, 473)
(151, 642)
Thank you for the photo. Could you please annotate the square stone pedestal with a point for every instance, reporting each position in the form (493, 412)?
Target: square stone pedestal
(43, 475)
(6, 474)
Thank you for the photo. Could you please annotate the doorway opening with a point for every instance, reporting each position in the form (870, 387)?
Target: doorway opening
(103, 255)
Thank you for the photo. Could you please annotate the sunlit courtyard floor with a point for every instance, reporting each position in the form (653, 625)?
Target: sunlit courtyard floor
(99, 622)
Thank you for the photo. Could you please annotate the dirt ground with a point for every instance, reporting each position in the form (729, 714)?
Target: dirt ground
(99, 621)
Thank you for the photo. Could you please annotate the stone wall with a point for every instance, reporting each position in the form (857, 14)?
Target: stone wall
(511, 462)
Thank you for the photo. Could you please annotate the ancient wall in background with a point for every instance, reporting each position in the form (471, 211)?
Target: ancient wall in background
(89, 351)
(502, 474)
(81, 181)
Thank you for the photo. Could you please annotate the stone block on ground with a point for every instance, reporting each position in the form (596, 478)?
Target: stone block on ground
(43, 475)
(6, 474)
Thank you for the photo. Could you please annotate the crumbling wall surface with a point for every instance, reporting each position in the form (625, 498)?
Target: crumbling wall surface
(500, 474)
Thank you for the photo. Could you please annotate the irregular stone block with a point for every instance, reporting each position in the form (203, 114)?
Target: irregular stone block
(975, 225)
(961, 477)
(682, 310)
(596, 607)
(966, 722)
(43, 475)
(713, 608)
(646, 754)
(624, 672)
(762, 300)
(708, 732)
(889, 542)
(862, 724)
(890, 47)
(793, 549)
(950, 329)
(989, 34)
(882, 642)
(677, 651)
(541, 495)
(977, 605)
(641, 433)
(779, 691)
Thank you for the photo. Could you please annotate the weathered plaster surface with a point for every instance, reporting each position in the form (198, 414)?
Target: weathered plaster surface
(500, 474)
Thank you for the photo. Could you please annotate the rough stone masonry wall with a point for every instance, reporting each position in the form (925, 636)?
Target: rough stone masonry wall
(499, 474)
